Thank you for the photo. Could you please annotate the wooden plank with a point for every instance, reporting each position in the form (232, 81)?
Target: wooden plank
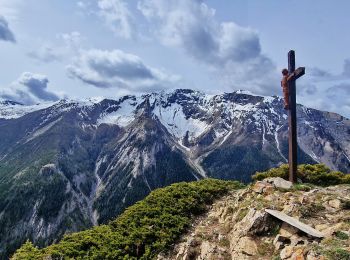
(292, 158)
(295, 223)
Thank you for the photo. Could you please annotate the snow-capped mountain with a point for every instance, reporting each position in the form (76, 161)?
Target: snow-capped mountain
(67, 165)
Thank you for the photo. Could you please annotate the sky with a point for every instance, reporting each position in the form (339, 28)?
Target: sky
(53, 49)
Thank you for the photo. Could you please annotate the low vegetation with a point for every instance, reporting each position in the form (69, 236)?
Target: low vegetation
(143, 230)
(317, 174)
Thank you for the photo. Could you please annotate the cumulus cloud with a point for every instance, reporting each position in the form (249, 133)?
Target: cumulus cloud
(5, 33)
(232, 50)
(118, 17)
(29, 88)
(106, 69)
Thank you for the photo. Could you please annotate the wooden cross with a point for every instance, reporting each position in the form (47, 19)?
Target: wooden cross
(292, 118)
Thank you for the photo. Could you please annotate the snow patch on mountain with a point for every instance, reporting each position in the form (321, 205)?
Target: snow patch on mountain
(173, 118)
(122, 117)
(13, 110)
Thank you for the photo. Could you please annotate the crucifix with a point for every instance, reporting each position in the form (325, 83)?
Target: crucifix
(289, 89)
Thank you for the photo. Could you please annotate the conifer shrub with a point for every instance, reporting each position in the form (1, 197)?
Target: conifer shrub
(318, 174)
(143, 230)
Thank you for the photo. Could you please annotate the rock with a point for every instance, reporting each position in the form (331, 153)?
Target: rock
(207, 250)
(298, 254)
(329, 231)
(286, 252)
(279, 183)
(262, 187)
(313, 256)
(289, 208)
(255, 222)
(280, 242)
(287, 230)
(247, 245)
(268, 189)
(297, 240)
(334, 203)
(259, 187)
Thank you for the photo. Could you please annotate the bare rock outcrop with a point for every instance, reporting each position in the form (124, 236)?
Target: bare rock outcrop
(238, 227)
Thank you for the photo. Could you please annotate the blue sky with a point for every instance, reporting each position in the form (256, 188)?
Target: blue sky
(51, 49)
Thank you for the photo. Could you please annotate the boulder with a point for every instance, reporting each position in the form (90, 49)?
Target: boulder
(255, 222)
(279, 183)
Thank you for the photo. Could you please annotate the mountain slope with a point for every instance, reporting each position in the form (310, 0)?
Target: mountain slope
(68, 165)
(143, 230)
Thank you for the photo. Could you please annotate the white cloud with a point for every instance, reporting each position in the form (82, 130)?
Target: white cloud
(118, 17)
(66, 45)
(46, 53)
(29, 88)
(72, 40)
(233, 51)
(10, 9)
(107, 69)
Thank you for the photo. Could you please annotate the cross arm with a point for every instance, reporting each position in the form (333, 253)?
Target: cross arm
(297, 73)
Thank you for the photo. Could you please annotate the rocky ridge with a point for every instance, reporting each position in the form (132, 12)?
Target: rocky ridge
(238, 227)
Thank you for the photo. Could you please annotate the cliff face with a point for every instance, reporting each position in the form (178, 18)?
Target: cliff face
(238, 227)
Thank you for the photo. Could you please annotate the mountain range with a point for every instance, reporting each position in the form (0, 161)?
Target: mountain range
(69, 165)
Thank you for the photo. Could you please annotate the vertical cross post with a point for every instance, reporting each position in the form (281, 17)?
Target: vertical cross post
(292, 120)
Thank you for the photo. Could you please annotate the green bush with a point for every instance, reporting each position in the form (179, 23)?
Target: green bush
(27, 251)
(318, 174)
(341, 235)
(143, 230)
